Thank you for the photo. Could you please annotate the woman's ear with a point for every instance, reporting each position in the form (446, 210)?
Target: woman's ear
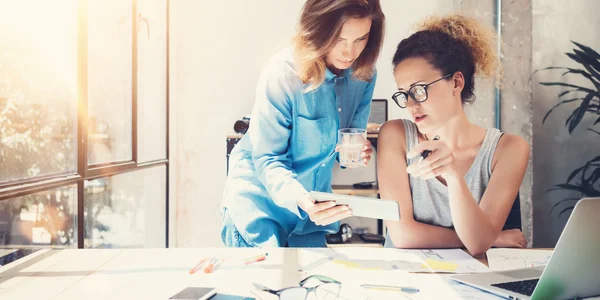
(458, 81)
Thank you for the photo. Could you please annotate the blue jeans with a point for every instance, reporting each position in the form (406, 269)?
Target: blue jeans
(232, 237)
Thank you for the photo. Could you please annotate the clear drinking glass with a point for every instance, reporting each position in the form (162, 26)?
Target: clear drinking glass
(351, 141)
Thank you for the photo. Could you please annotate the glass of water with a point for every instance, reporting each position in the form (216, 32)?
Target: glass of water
(351, 142)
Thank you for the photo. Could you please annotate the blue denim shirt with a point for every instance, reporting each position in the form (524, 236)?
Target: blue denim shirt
(289, 150)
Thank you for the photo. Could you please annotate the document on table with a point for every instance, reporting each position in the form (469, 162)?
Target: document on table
(427, 261)
(500, 259)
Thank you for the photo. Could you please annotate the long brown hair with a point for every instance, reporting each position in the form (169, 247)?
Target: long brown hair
(320, 25)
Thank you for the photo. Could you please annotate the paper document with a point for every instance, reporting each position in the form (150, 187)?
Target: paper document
(500, 259)
(428, 261)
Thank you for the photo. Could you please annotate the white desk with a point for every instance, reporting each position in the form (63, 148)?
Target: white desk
(161, 273)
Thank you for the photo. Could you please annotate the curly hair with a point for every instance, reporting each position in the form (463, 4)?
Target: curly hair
(454, 43)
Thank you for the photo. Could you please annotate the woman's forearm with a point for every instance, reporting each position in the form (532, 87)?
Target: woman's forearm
(470, 222)
(413, 234)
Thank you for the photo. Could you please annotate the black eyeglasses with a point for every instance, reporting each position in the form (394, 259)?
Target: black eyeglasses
(418, 92)
(328, 289)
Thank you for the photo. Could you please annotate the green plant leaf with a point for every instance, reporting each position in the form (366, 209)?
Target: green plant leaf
(549, 68)
(586, 57)
(565, 210)
(594, 78)
(574, 173)
(557, 204)
(595, 176)
(587, 62)
(577, 57)
(591, 52)
(579, 88)
(565, 92)
(571, 117)
(595, 57)
(576, 71)
(557, 105)
(587, 180)
(565, 186)
(580, 112)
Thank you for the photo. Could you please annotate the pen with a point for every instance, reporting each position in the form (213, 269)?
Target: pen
(257, 258)
(197, 267)
(212, 264)
(427, 152)
(410, 290)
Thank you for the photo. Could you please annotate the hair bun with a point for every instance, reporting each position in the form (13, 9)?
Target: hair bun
(478, 39)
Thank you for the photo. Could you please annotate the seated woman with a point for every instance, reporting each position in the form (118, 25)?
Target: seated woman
(459, 195)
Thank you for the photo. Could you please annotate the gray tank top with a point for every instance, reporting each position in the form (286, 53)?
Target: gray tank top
(430, 197)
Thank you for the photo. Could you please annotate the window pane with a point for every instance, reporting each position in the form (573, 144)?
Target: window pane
(127, 210)
(38, 88)
(152, 80)
(109, 81)
(47, 218)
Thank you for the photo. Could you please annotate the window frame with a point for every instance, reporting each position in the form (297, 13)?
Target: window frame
(31, 185)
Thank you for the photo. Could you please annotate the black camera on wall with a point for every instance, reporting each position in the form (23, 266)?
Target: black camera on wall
(241, 126)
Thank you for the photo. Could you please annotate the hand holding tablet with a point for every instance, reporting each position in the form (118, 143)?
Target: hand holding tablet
(362, 206)
(323, 212)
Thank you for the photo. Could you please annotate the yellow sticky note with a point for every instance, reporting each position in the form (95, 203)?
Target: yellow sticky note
(345, 263)
(439, 265)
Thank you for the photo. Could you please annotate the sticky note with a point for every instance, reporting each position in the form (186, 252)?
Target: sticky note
(439, 265)
(345, 263)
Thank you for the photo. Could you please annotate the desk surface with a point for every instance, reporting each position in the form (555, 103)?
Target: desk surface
(161, 273)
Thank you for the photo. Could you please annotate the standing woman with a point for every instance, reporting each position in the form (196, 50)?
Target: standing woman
(304, 95)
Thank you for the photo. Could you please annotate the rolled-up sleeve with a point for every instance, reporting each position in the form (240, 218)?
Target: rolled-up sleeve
(270, 130)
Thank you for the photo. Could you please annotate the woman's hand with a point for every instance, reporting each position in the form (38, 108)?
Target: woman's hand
(366, 152)
(438, 163)
(323, 213)
(511, 238)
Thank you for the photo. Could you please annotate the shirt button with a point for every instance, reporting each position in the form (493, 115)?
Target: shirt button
(339, 109)
(322, 165)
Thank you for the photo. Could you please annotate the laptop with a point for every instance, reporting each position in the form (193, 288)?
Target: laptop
(573, 270)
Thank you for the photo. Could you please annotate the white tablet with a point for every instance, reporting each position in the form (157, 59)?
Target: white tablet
(363, 206)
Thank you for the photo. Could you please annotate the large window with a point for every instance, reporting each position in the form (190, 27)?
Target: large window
(84, 123)
(38, 89)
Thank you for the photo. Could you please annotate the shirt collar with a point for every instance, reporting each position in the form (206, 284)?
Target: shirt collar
(343, 74)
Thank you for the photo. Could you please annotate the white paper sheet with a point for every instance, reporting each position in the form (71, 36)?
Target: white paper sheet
(429, 261)
(500, 259)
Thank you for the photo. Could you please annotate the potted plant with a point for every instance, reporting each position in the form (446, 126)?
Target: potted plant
(585, 179)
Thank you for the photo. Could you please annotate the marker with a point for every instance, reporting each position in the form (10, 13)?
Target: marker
(212, 264)
(255, 259)
(199, 265)
(410, 290)
(426, 153)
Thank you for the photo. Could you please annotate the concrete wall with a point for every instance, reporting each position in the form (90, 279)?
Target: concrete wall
(557, 153)
(516, 102)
